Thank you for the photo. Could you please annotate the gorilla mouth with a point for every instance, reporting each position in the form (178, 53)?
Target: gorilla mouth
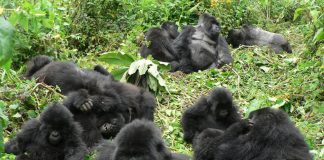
(251, 122)
(108, 130)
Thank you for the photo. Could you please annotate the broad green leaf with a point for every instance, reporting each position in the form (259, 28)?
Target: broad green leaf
(118, 73)
(319, 35)
(152, 83)
(117, 58)
(6, 42)
(14, 18)
(298, 12)
(254, 105)
(23, 21)
(279, 103)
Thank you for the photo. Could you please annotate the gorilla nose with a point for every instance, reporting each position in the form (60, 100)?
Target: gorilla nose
(223, 113)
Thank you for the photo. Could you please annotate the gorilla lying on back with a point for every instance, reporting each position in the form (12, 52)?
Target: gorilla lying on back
(268, 135)
(249, 35)
(202, 47)
(69, 77)
(139, 140)
(161, 39)
(215, 111)
(66, 75)
(55, 136)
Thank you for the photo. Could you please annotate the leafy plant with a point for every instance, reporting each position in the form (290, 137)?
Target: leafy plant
(141, 72)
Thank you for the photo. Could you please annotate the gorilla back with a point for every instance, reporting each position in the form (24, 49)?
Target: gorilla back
(66, 75)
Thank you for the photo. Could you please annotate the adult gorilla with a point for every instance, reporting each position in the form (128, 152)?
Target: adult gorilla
(268, 135)
(202, 47)
(249, 35)
(161, 40)
(54, 136)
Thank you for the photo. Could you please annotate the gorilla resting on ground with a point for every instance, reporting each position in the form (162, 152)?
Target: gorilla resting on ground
(215, 111)
(66, 75)
(202, 47)
(268, 135)
(161, 40)
(100, 116)
(55, 136)
(69, 77)
(249, 35)
(139, 140)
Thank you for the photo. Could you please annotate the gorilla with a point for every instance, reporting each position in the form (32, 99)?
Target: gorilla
(66, 75)
(201, 47)
(54, 136)
(69, 77)
(139, 140)
(215, 111)
(161, 39)
(249, 35)
(103, 116)
(267, 135)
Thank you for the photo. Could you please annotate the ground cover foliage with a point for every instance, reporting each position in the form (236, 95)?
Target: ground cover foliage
(86, 31)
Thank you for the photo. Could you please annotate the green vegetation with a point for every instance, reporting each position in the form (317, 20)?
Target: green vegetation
(83, 30)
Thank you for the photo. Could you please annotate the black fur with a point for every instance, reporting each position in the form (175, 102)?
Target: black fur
(268, 135)
(103, 116)
(160, 40)
(215, 111)
(66, 75)
(201, 47)
(249, 35)
(55, 136)
(139, 140)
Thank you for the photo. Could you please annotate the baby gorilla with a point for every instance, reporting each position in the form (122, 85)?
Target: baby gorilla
(249, 35)
(268, 135)
(215, 111)
(100, 116)
(55, 136)
(139, 140)
(161, 39)
(66, 75)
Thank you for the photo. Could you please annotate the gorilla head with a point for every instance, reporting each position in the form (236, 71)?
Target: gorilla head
(210, 26)
(220, 101)
(171, 28)
(110, 123)
(138, 140)
(36, 63)
(56, 124)
(234, 37)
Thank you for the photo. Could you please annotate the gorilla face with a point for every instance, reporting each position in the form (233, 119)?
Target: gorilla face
(171, 28)
(266, 117)
(110, 124)
(235, 37)
(210, 25)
